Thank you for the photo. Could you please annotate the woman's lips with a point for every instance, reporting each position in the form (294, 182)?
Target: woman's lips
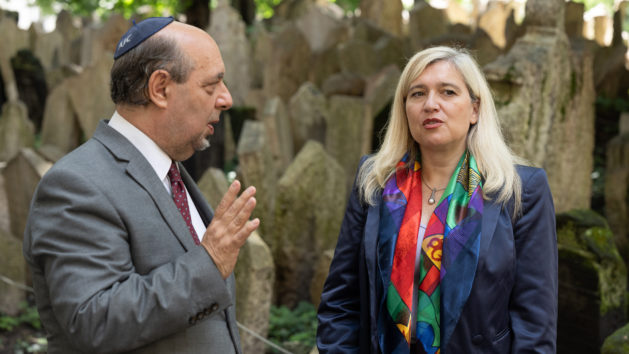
(432, 123)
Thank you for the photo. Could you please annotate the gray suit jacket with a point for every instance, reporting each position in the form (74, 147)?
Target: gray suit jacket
(114, 266)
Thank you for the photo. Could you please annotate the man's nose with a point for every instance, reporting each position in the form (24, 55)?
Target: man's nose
(224, 100)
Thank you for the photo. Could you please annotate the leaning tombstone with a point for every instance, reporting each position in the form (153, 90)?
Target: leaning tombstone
(21, 176)
(13, 268)
(255, 275)
(16, 130)
(592, 282)
(308, 213)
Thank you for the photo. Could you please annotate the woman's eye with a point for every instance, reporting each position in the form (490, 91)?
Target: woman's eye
(417, 94)
(450, 92)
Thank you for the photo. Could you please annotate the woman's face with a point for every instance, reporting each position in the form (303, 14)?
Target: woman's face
(439, 109)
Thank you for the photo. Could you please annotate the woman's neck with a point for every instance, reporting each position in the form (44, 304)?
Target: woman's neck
(438, 166)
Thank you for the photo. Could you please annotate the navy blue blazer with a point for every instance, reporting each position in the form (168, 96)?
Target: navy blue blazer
(512, 303)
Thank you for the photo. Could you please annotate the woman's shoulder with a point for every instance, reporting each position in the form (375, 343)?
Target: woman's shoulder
(527, 173)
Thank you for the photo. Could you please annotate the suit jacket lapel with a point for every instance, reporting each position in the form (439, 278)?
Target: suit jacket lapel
(204, 209)
(141, 171)
(457, 284)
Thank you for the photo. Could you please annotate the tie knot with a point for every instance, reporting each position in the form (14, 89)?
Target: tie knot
(173, 173)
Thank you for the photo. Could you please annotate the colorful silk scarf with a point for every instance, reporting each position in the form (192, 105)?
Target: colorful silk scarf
(454, 225)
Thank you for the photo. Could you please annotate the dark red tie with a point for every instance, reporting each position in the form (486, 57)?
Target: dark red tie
(180, 198)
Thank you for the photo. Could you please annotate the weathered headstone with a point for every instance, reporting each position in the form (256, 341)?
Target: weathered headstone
(16, 130)
(343, 83)
(278, 133)
(89, 94)
(617, 342)
(574, 19)
(493, 21)
(617, 191)
(386, 14)
(308, 113)
(258, 169)
(357, 56)
(100, 41)
(425, 22)
(321, 271)
(592, 282)
(378, 95)
(228, 30)
(14, 268)
(255, 275)
(545, 97)
(603, 30)
(288, 63)
(322, 25)
(213, 184)
(60, 126)
(345, 135)
(21, 176)
(308, 213)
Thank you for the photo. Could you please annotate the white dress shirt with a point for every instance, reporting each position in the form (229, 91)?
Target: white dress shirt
(158, 159)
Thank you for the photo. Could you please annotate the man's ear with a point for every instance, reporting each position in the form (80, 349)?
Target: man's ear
(157, 88)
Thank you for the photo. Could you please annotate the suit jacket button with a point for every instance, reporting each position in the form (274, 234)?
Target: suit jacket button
(192, 320)
(477, 339)
(214, 307)
(200, 316)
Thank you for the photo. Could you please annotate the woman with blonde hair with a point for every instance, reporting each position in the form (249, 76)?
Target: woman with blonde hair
(448, 244)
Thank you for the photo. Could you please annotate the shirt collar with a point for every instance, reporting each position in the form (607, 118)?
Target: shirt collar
(158, 159)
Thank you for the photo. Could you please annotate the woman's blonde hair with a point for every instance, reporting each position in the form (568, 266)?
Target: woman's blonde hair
(485, 142)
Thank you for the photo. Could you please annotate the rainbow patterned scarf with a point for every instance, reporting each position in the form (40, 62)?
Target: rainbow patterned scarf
(454, 225)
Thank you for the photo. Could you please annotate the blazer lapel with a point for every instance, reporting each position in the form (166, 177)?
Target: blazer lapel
(457, 284)
(141, 171)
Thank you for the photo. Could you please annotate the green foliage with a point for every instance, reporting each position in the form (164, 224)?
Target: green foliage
(28, 315)
(264, 8)
(294, 329)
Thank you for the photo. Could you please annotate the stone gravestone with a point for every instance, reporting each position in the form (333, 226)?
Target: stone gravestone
(617, 190)
(16, 130)
(288, 63)
(213, 184)
(494, 20)
(228, 30)
(345, 135)
(308, 213)
(278, 131)
(257, 167)
(308, 113)
(89, 94)
(21, 176)
(425, 22)
(322, 269)
(13, 267)
(322, 25)
(574, 19)
(386, 14)
(545, 97)
(618, 342)
(592, 282)
(358, 56)
(60, 126)
(255, 275)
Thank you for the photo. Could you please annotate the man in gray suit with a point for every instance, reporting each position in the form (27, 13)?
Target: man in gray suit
(126, 254)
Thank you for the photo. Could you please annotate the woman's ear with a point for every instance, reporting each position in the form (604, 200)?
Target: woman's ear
(475, 109)
(157, 88)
